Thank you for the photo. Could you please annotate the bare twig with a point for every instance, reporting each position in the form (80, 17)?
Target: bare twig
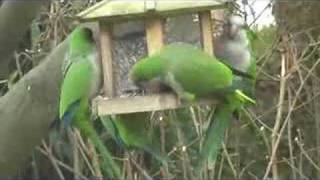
(316, 105)
(95, 161)
(53, 161)
(65, 166)
(279, 112)
(292, 163)
(142, 171)
(81, 147)
(220, 168)
(302, 176)
(75, 153)
(307, 155)
(128, 167)
(226, 154)
(195, 122)
(185, 160)
(245, 168)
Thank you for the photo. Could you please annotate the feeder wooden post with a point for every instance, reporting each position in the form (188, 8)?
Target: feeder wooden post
(206, 31)
(154, 31)
(106, 59)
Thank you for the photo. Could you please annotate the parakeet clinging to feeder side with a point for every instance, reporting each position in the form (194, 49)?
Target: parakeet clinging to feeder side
(82, 80)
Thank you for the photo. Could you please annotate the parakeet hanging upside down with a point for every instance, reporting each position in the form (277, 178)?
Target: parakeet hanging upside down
(81, 83)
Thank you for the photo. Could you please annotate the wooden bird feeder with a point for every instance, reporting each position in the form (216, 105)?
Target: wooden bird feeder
(153, 13)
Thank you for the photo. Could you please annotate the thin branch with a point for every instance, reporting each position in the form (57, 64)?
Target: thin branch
(53, 161)
(65, 166)
(279, 112)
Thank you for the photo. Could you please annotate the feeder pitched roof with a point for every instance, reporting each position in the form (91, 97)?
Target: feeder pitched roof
(114, 10)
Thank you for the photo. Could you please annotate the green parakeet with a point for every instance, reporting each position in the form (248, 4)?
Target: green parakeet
(233, 48)
(187, 70)
(132, 131)
(192, 73)
(81, 83)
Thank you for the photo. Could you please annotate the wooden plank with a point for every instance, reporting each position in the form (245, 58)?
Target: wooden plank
(206, 31)
(154, 31)
(104, 106)
(106, 59)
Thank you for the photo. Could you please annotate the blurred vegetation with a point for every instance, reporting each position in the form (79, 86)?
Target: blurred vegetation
(248, 144)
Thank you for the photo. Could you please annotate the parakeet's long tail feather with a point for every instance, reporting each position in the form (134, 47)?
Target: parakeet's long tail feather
(215, 134)
(112, 129)
(218, 125)
(108, 164)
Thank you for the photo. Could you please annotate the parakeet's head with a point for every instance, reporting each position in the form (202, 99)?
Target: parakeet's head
(233, 26)
(81, 38)
(82, 32)
(147, 69)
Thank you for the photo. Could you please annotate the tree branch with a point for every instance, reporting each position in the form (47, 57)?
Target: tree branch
(27, 110)
(15, 18)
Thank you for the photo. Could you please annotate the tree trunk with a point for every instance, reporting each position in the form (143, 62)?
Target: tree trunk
(27, 110)
(15, 19)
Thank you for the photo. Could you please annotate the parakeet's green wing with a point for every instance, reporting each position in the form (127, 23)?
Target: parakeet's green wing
(186, 69)
(76, 84)
(196, 71)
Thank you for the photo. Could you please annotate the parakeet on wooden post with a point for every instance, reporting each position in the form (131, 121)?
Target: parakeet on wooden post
(82, 80)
